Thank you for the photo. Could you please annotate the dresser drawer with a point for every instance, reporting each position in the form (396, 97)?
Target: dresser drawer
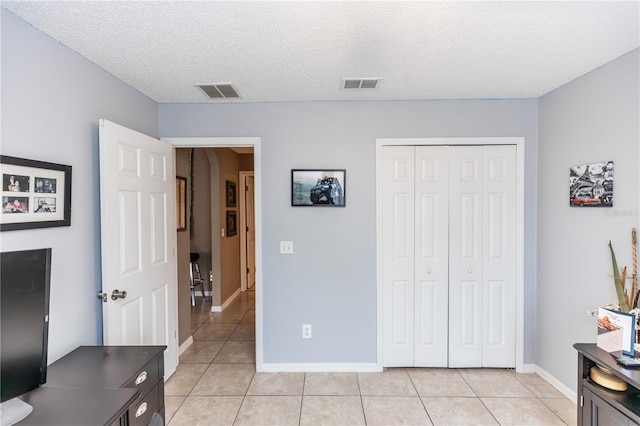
(143, 409)
(146, 378)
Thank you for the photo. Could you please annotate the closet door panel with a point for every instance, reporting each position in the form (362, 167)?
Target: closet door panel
(465, 256)
(398, 281)
(431, 256)
(499, 262)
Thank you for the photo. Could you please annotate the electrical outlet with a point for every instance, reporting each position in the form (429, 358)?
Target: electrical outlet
(306, 331)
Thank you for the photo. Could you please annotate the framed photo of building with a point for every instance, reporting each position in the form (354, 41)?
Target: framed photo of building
(35, 194)
(319, 187)
(591, 185)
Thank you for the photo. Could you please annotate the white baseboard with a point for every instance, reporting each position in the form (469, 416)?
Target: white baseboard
(320, 368)
(183, 347)
(528, 368)
(226, 303)
(566, 391)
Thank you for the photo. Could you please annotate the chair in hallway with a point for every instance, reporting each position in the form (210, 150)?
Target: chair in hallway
(195, 278)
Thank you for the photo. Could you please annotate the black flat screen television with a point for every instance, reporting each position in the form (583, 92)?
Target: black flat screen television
(24, 324)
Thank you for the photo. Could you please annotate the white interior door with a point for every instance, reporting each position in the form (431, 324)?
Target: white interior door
(448, 256)
(138, 233)
(431, 256)
(465, 256)
(398, 195)
(499, 256)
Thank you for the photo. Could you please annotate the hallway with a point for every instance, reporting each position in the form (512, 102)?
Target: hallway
(216, 384)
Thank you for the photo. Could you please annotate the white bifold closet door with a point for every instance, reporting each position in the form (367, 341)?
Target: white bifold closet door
(449, 247)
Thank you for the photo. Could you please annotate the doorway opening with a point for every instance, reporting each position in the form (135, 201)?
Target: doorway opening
(219, 239)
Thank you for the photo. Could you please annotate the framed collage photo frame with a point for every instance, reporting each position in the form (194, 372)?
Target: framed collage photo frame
(35, 194)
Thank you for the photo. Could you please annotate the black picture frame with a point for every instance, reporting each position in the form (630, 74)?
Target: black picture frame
(230, 194)
(35, 194)
(318, 187)
(232, 223)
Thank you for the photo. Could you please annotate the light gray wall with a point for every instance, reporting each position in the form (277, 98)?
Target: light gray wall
(592, 119)
(51, 102)
(330, 280)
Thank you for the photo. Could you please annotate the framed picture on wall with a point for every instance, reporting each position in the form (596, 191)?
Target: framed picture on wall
(591, 185)
(232, 227)
(319, 187)
(231, 194)
(35, 194)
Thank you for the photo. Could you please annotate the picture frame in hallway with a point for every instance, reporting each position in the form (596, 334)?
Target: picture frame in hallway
(181, 203)
(231, 194)
(318, 187)
(232, 227)
(591, 185)
(35, 194)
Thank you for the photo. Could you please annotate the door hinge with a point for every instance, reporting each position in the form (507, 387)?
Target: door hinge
(582, 400)
(247, 270)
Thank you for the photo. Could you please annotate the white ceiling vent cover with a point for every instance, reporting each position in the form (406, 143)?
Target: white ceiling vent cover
(360, 83)
(219, 90)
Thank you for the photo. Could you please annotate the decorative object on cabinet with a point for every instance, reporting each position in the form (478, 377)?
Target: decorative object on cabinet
(35, 194)
(318, 187)
(181, 203)
(591, 185)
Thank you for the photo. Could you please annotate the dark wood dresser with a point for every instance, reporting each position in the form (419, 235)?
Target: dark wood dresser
(94, 370)
(598, 405)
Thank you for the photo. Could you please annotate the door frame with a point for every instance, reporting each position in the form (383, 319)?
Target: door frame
(520, 163)
(240, 142)
(242, 216)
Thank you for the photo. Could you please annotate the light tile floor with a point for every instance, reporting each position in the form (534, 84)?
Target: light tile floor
(216, 384)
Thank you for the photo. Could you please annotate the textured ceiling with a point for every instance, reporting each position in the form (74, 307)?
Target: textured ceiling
(300, 51)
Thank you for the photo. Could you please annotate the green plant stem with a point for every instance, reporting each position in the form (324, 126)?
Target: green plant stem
(622, 299)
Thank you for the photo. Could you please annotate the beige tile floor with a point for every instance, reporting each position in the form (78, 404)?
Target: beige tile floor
(216, 384)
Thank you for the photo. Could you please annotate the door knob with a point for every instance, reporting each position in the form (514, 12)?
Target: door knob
(117, 294)
(428, 270)
(469, 270)
(102, 296)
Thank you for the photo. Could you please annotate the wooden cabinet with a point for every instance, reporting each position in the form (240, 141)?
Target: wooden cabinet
(598, 405)
(135, 367)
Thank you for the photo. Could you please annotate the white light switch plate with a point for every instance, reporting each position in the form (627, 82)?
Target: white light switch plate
(286, 247)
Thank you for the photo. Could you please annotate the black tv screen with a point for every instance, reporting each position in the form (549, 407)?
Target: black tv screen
(24, 320)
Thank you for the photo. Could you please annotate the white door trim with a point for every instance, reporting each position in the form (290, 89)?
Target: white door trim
(520, 157)
(252, 142)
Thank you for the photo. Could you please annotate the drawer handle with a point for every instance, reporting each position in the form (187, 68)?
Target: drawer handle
(141, 378)
(141, 409)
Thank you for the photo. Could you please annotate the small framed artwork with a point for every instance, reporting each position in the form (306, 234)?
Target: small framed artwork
(591, 185)
(232, 228)
(231, 194)
(35, 194)
(319, 187)
(181, 203)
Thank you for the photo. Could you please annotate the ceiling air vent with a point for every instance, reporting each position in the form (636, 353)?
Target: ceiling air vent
(219, 90)
(360, 83)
